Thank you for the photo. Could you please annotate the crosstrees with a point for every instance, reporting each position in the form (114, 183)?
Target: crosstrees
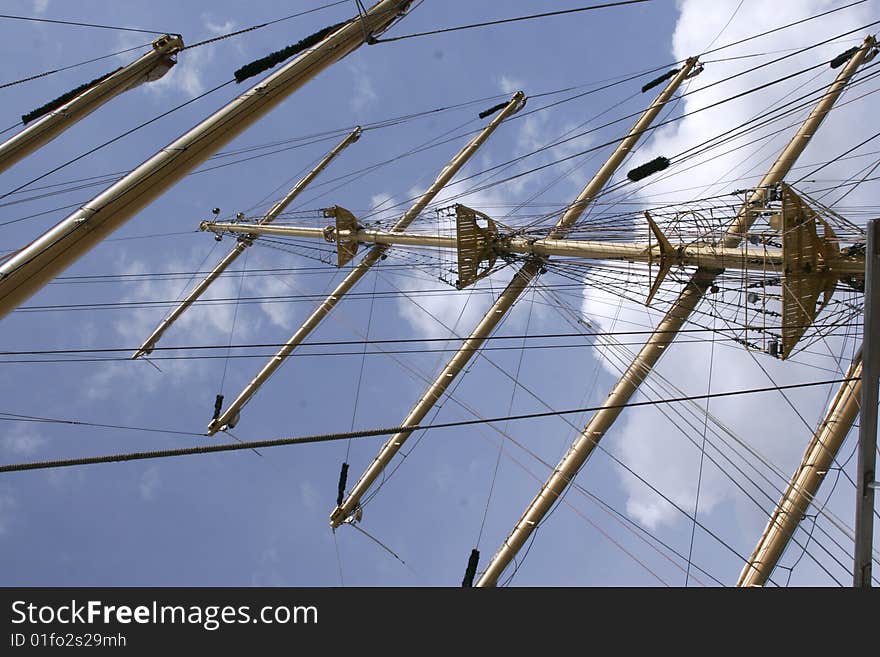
(708, 256)
(505, 301)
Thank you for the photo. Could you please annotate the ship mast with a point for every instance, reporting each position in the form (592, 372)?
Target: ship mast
(230, 415)
(505, 301)
(665, 332)
(147, 68)
(36, 264)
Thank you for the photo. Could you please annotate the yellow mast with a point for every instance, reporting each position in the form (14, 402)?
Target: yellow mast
(147, 68)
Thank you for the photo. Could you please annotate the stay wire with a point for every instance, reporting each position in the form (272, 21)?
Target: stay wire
(382, 545)
(513, 391)
(327, 437)
(18, 417)
(483, 187)
(338, 559)
(357, 393)
(261, 25)
(66, 68)
(118, 137)
(511, 20)
(702, 452)
(232, 327)
(60, 22)
(659, 125)
(783, 27)
(726, 25)
(435, 110)
(626, 356)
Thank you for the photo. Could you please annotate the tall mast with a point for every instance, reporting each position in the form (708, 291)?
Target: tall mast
(664, 334)
(229, 417)
(244, 242)
(36, 264)
(505, 301)
(147, 68)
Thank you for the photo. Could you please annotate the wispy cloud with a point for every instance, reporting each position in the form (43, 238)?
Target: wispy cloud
(210, 322)
(510, 85)
(40, 6)
(21, 438)
(308, 495)
(149, 483)
(666, 458)
(363, 92)
(219, 28)
(7, 510)
(267, 570)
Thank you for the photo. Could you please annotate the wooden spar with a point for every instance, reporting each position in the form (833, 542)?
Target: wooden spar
(665, 333)
(229, 417)
(151, 66)
(505, 301)
(36, 264)
(244, 242)
(767, 260)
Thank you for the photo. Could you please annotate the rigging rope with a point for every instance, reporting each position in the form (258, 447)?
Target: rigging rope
(512, 20)
(702, 457)
(60, 22)
(317, 438)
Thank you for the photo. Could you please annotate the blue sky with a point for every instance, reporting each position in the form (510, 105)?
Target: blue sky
(245, 519)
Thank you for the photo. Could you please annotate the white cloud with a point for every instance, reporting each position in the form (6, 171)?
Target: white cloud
(7, 510)
(40, 6)
(21, 438)
(268, 569)
(379, 203)
(201, 321)
(510, 85)
(363, 93)
(187, 76)
(149, 483)
(308, 495)
(664, 457)
(220, 28)
(200, 324)
(280, 314)
(433, 314)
